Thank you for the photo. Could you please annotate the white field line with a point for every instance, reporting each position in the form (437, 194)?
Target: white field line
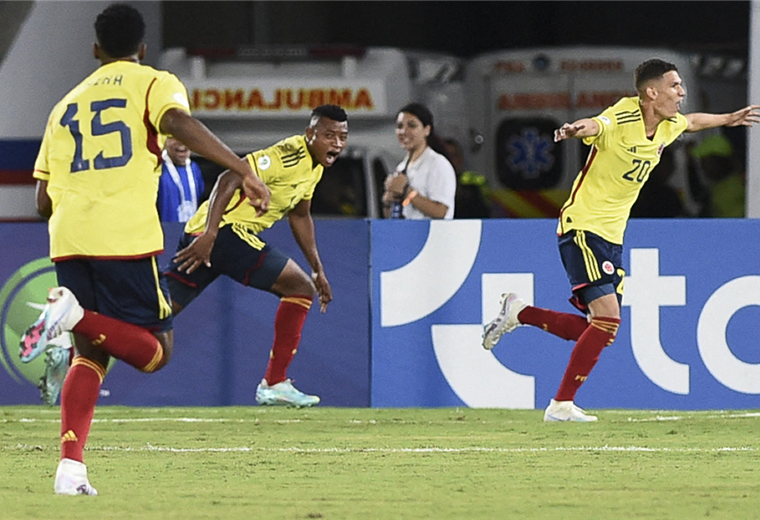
(659, 417)
(743, 415)
(473, 449)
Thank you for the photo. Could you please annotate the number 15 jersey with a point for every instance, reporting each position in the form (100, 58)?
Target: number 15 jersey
(101, 157)
(618, 165)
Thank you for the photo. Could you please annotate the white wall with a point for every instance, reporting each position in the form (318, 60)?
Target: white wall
(51, 54)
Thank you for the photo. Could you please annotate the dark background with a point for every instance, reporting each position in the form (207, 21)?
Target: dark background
(461, 28)
(468, 29)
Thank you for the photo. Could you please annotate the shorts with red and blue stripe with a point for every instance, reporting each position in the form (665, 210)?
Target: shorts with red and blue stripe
(231, 256)
(593, 266)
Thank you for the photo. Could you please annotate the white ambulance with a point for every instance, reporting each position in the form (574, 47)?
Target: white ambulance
(253, 97)
(517, 98)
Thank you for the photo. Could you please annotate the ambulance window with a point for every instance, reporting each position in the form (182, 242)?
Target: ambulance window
(526, 156)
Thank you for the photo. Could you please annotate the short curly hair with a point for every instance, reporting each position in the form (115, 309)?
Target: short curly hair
(120, 30)
(333, 112)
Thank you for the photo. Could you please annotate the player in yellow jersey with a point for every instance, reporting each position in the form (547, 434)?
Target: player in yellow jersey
(627, 140)
(97, 179)
(222, 239)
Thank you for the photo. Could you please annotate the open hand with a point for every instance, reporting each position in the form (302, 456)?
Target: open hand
(567, 131)
(323, 289)
(198, 253)
(747, 116)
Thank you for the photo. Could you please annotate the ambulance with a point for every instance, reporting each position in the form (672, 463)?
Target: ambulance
(515, 100)
(253, 97)
(502, 106)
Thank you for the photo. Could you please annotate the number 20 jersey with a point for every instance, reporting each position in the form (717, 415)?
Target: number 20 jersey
(101, 157)
(618, 165)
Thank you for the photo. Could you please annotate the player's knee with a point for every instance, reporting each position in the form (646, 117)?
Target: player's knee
(608, 325)
(167, 354)
(156, 364)
(307, 287)
(295, 281)
(163, 353)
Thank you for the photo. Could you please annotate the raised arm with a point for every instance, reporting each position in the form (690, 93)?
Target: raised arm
(302, 226)
(581, 128)
(746, 116)
(194, 134)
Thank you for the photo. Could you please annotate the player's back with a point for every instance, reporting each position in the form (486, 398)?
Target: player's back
(102, 156)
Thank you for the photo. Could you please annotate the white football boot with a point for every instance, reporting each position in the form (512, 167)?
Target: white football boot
(559, 411)
(71, 479)
(506, 321)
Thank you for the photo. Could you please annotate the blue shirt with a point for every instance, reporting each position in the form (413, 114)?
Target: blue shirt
(177, 204)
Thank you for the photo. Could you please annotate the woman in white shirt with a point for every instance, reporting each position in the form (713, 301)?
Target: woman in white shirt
(424, 183)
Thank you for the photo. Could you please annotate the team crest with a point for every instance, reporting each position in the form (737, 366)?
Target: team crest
(607, 267)
(264, 162)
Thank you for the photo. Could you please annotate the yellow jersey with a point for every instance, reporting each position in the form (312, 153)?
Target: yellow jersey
(618, 165)
(101, 158)
(288, 169)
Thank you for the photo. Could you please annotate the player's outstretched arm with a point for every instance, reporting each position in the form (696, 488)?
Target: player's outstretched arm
(746, 116)
(199, 251)
(194, 134)
(302, 226)
(581, 128)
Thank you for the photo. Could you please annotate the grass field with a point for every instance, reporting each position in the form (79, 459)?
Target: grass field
(334, 463)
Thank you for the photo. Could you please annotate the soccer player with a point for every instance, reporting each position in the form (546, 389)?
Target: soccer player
(627, 141)
(222, 238)
(97, 178)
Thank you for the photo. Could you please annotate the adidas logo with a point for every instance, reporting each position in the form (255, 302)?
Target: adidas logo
(632, 149)
(99, 340)
(69, 436)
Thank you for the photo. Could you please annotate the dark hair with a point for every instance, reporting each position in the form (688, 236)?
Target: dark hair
(651, 69)
(421, 112)
(425, 116)
(120, 30)
(333, 112)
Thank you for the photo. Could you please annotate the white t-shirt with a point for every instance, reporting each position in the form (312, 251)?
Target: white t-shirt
(432, 175)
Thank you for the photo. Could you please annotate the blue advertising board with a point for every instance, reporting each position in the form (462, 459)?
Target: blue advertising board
(688, 338)
(222, 340)
(411, 298)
